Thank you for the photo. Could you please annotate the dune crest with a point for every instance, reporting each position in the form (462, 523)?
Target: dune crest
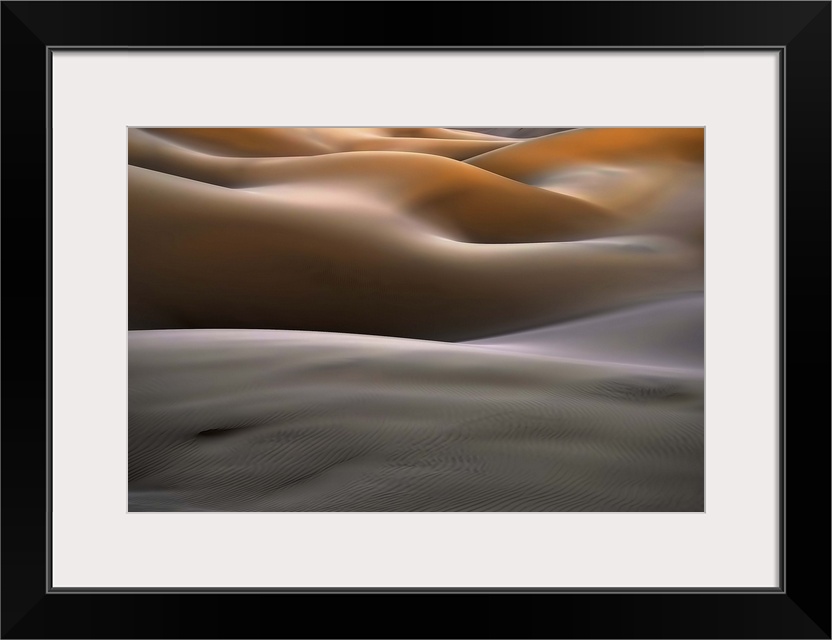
(265, 142)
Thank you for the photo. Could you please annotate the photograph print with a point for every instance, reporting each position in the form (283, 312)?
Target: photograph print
(441, 319)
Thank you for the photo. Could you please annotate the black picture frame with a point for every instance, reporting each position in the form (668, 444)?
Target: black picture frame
(798, 608)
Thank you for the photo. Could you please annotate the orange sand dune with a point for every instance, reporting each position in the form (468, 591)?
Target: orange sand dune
(516, 132)
(604, 147)
(208, 256)
(270, 142)
(408, 244)
(463, 202)
(629, 171)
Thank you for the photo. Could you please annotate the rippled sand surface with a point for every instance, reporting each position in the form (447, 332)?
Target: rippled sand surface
(416, 320)
(276, 420)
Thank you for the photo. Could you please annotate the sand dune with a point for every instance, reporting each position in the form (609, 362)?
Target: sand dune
(516, 132)
(662, 333)
(637, 173)
(465, 202)
(288, 141)
(601, 147)
(301, 421)
(205, 256)
(407, 244)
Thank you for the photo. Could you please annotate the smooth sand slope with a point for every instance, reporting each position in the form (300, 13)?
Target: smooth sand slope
(409, 244)
(663, 333)
(297, 421)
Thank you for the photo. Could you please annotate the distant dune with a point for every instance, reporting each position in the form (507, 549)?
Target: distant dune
(516, 132)
(301, 421)
(299, 141)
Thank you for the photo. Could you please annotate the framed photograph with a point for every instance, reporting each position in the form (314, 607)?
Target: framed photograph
(304, 303)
